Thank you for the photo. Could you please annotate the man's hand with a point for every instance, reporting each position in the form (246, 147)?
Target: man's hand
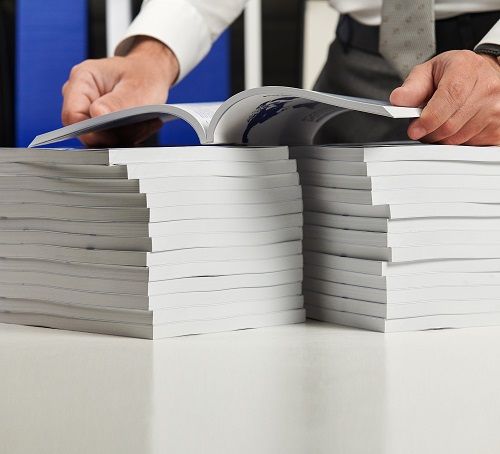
(97, 87)
(461, 94)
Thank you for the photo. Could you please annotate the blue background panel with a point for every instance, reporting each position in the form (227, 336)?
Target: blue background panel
(210, 81)
(51, 37)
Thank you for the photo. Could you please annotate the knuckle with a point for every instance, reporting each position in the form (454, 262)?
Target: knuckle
(467, 54)
(455, 90)
(417, 69)
(76, 70)
(464, 57)
(82, 69)
(454, 140)
(66, 117)
(430, 119)
(449, 127)
(100, 107)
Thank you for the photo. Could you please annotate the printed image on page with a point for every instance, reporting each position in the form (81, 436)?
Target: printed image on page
(265, 119)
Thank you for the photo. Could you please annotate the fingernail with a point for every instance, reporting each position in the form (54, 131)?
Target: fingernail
(417, 132)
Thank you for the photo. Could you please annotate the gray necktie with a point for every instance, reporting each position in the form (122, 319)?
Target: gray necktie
(407, 35)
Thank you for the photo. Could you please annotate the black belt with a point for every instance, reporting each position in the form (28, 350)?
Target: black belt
(459, 32)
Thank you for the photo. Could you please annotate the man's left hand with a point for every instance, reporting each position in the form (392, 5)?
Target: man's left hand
(460, 92)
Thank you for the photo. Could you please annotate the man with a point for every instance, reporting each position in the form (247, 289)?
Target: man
(379, 45)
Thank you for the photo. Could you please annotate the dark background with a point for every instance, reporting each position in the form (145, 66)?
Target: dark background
(7, 50)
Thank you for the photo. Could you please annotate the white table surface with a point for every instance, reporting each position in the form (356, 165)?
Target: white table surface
(308, 389)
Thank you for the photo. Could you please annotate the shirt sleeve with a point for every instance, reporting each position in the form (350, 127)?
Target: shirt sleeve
(187, 27)
(493, 36)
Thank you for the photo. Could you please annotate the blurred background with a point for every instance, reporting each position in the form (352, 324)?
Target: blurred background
(275, 42)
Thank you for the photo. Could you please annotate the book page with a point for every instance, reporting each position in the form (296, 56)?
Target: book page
(202, 111)
(270, 119)
(287, 116)
(197, 115)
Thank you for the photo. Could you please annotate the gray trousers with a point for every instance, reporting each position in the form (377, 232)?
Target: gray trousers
(353, 72)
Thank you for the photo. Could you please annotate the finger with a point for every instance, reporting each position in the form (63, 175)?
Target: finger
(78, 94)
(468, 131)
(123, 95)
(466, 120)
(451, 94)
(101, 139)
(416, 89)
(126, 136)
(148, 129)
(490, 135)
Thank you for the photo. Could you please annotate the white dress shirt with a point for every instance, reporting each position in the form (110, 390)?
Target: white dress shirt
(189, 27)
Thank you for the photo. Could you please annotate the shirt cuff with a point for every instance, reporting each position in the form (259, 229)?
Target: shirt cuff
(178, 25)
(493, 36)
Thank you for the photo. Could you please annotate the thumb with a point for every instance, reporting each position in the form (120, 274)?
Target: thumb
(417, 88)
(119, 98)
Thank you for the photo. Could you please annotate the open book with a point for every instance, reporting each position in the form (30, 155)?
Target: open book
(259, 116)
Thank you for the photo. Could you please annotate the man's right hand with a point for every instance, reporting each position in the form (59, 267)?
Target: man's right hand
(97, 87)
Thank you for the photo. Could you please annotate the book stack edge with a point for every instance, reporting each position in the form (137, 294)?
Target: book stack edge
(150, 242)
(401, 237)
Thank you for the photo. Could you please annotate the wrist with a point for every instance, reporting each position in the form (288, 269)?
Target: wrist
(161, 56)
(491, 52)
(492, 60)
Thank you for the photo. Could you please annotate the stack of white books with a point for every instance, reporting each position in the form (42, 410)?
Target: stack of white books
(151, 242)
(403, 236)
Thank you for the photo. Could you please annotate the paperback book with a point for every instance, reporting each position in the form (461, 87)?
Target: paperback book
(151, 242)
(401, 237)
